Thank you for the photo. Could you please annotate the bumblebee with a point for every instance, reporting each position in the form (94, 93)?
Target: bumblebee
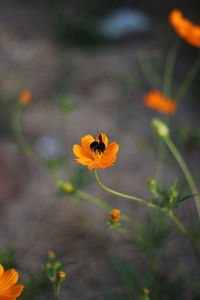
(100, 146)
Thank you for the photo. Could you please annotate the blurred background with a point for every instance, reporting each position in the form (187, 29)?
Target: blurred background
(87, 64)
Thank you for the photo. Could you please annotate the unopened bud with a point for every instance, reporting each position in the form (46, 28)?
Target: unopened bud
(145, 291)
(160, 127)
(25, 97)
(48, 266)
(65, 186)
(61, 275)
(51, 255)
(115, 215)
(152, 185)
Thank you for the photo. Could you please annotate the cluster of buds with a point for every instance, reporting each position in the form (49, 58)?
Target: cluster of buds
(53, 269)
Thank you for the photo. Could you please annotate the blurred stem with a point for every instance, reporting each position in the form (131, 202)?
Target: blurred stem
(184, 232)
(185, 171)
(148, 72)
(57, 291)
(121, 194)
(169, 69)
(100, 203)
(20, 137)
(170, 214)
(187, 81)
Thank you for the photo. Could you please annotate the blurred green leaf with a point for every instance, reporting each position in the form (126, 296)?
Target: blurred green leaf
(65, 103)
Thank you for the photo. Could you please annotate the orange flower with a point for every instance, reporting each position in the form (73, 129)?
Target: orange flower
(25, 97)
(185, 28)
(156, 100)
(115, 215)
(8, 289)
(96, 153)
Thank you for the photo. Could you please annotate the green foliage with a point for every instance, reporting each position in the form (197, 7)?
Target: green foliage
(7, 110)
(151, 236)
(7, 258)
(168, 198)
(35, 285)
(54, 164)
(127, 277)
(79, 177)
(65, 103)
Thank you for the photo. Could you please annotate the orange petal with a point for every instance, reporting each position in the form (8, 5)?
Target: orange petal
(80, 152)
(85, 143)
(9, 277)
(92, 165)
(1, 271)
(111, 151)
(83, 161)
(3, 297)
(13, 291)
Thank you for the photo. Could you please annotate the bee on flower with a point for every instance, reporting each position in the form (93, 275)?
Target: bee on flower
(156, 100)
(9, 290)
(96, 152)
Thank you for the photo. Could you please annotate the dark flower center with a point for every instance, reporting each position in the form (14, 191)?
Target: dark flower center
(100, 146)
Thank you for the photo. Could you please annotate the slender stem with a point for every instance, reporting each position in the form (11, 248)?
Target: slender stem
(148, 72)
(121, 194)
(185, 170)
(169, 68)
(100, 203)
(186, 82)
(57, 292)
(184, 231)
(170, 214)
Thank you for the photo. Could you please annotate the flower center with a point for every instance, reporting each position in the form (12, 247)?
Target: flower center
(98, 145)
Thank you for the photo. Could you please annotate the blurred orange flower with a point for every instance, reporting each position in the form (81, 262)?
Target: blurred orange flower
(8, 289)
(25, 97)
(115, 215)
(185, 28)
(156, 100)
(96, 153)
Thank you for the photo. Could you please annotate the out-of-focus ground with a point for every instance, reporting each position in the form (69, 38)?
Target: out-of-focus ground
(105, 101)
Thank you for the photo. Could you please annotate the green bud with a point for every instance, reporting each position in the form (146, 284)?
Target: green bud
(160, 127)
(56, 266)
(65, 186)
(51, 255)
(48, 266)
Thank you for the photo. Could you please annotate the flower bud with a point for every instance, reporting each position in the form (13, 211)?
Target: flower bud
(115, 215)
(51, 255)
(61, 275)
(145, 291)
(65, 186)
(25, 97)
(152, 185)
(161, 128)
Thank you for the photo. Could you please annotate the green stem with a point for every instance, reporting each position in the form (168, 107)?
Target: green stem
(170, 214)
(106, 207)
(184, 231)
(169, 69)
(57, 292)
(185, 171)
(148, 72)
(186, 82)
(121, 194)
